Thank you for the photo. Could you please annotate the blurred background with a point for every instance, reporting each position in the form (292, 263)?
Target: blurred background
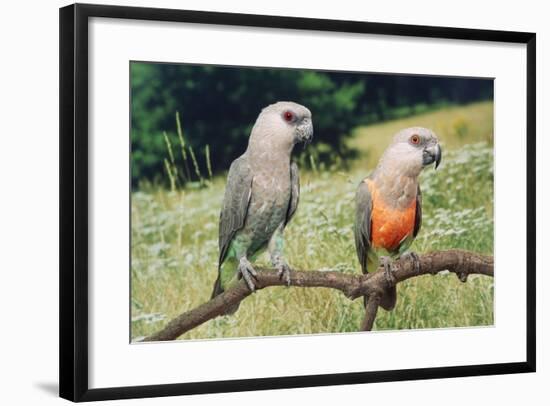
(188, 124)
(218, 106)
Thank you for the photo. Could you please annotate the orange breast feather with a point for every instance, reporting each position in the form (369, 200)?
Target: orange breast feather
(390, 226)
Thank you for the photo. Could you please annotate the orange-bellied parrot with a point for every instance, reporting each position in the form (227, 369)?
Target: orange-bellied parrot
(389, 203)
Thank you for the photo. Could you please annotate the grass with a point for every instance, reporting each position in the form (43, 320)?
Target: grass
(174, 242)
(455, 127)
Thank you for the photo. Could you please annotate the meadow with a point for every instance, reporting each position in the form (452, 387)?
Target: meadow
(175, 242)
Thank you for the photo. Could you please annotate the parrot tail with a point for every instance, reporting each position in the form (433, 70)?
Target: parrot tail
(218, 290)
(388, 299)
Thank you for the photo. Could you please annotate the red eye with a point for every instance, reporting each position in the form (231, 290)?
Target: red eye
(288, 116)
(415, 139)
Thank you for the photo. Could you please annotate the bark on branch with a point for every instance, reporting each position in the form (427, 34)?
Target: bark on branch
(462, 263)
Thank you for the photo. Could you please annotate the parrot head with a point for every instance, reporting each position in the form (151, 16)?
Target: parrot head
(413, 149)
(283, 124)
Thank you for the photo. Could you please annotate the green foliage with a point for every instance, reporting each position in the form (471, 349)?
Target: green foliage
(174, 247)
(219, 105)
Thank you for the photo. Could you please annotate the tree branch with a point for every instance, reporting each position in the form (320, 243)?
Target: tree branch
(462, 263)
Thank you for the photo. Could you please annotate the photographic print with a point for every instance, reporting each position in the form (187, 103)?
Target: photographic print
(237, 172)
(263, 206)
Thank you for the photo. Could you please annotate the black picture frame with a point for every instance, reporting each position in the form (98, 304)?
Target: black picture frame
(73, 281)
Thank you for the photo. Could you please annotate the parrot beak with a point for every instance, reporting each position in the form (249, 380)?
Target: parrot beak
(437, 156)
(432, 154)
(305, 131)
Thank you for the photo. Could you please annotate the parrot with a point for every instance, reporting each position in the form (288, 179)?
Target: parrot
(388, 204)
(261, 196)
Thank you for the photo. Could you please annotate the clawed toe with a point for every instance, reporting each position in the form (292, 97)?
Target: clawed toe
(284, 273)
(387, 263)
(248, 273)
(413, 256)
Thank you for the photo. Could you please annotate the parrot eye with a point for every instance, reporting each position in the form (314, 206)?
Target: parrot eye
(288, 116)
(415, 139)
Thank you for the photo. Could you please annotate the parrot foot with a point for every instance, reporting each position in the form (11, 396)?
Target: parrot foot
(248, 272)
(413, 256)
(284, 272)
(387, 263)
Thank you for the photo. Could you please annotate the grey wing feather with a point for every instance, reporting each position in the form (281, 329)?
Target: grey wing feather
(363, 210)
(294, 192)
(418, 213)
(235, 203)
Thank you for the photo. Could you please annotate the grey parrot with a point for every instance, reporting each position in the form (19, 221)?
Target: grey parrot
(389, 203)
(261, 195)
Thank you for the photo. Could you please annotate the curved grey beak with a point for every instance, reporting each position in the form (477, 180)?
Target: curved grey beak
(437, 156)
(432, 154)
(305, 131)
